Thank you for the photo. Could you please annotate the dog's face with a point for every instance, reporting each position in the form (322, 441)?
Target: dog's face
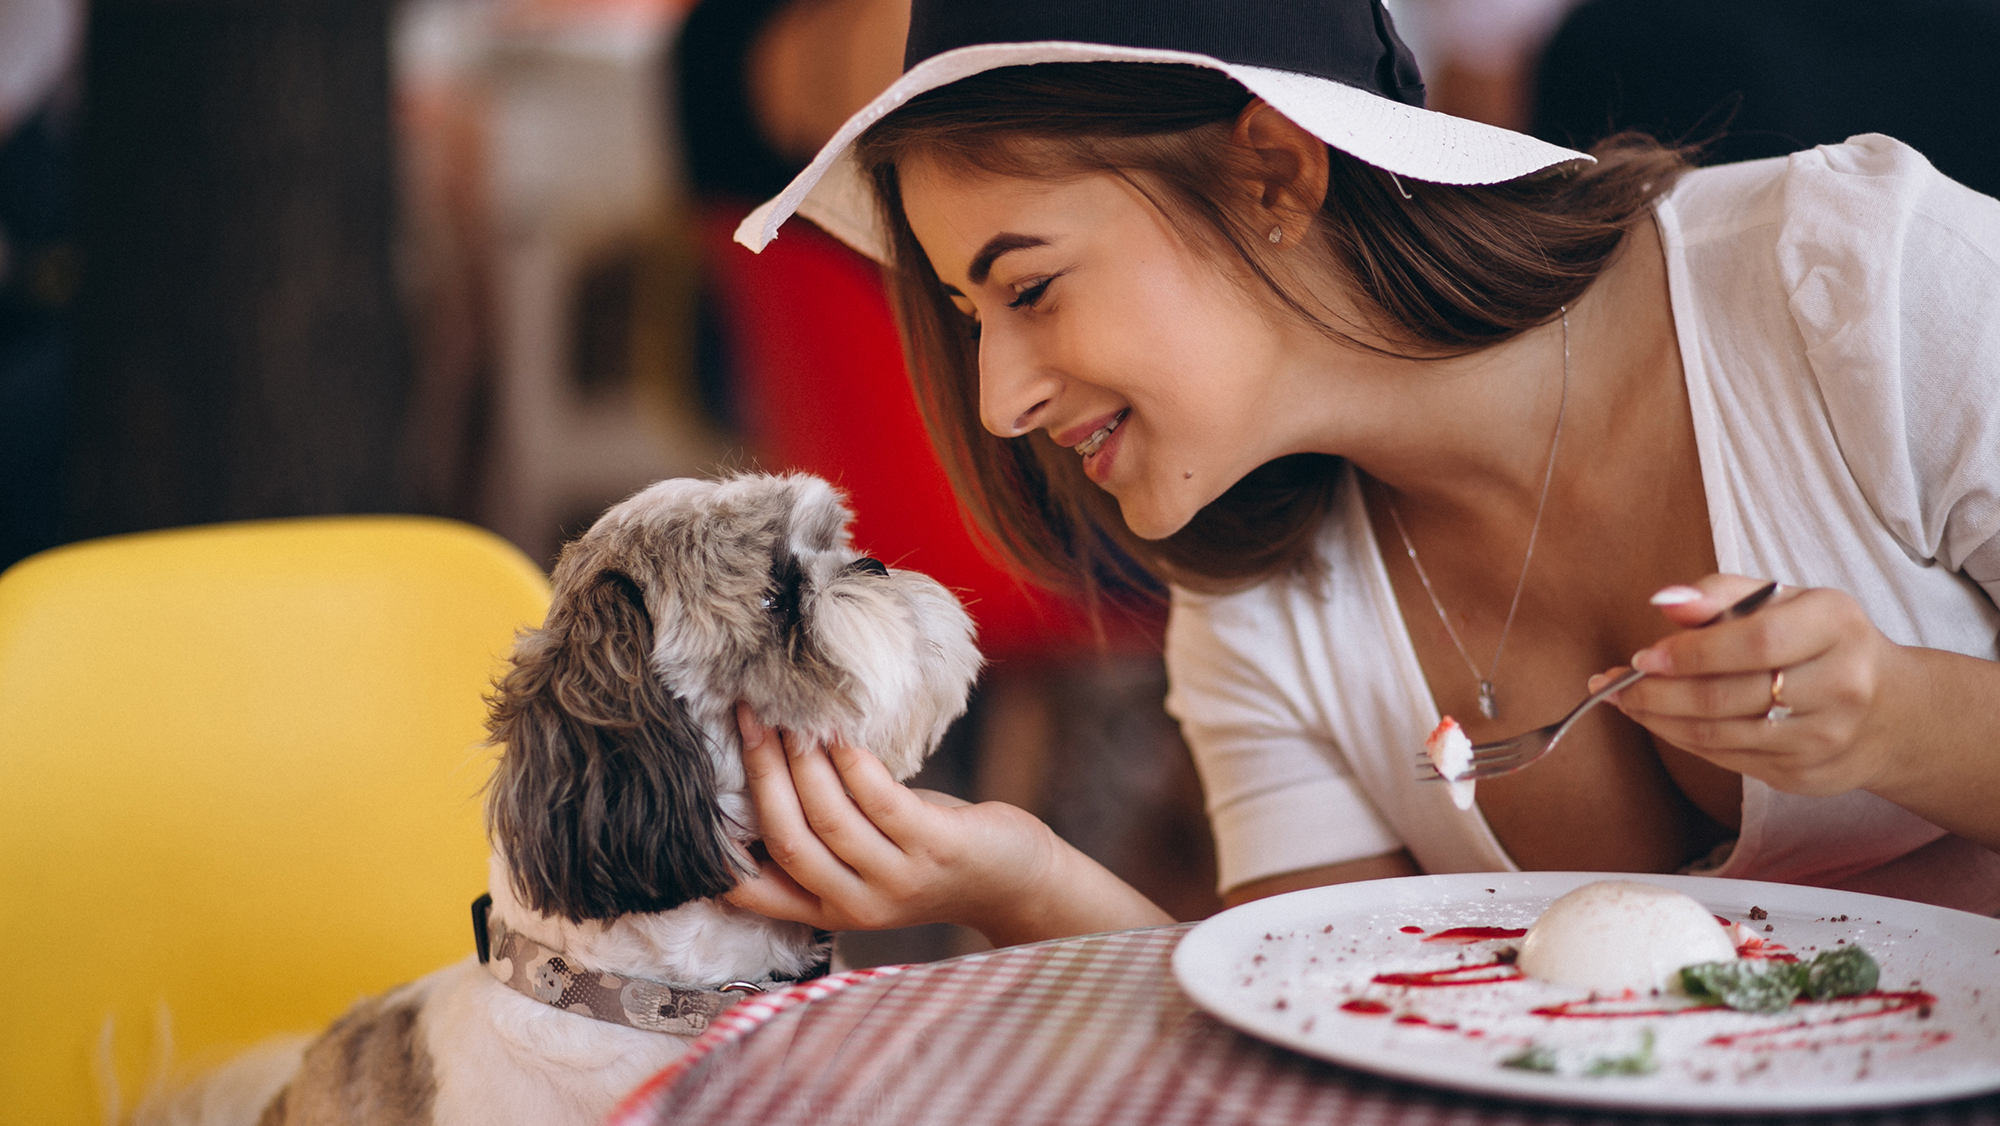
(618, 789)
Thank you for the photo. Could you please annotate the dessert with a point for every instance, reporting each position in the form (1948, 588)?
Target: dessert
(1451, 753)
(1615, 936)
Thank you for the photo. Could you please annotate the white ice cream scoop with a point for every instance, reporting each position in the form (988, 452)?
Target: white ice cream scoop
(1618, 935)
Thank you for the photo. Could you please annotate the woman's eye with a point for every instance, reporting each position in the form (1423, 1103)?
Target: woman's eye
(1029, 296)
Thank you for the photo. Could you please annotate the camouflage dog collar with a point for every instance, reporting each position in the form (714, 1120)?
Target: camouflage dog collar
(527, 967)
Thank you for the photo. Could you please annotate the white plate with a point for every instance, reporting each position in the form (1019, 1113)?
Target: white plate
(1283, 968)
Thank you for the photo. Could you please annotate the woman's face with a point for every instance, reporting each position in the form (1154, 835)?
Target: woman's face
(1098, 323)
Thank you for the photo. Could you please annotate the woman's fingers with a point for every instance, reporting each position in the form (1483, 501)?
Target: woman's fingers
(891, 808)
(841, 868)
(1789, 693)
(1731, 695)
(770, 775)
(1786, 629)
(1701, 602)
(773, 893)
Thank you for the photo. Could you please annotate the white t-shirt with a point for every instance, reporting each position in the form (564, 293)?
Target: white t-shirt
(1838, 313)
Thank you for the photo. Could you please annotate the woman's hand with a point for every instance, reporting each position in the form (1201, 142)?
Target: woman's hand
(1721, 692)
(849, 848)
(1806, 695)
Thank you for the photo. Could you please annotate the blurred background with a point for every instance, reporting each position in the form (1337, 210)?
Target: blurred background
(265, 258)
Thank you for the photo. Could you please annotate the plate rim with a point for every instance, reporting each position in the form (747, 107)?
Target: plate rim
(1205, 991)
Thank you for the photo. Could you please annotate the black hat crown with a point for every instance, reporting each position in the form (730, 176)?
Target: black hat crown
(1348, 41)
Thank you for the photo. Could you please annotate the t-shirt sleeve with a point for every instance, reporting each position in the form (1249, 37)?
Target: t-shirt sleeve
(1894, 279)
(1279, 793)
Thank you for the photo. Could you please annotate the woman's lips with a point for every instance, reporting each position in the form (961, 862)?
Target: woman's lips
(1101, 435)
(1104, 446)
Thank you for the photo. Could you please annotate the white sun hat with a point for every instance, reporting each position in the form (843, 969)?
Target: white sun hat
(1335, 67)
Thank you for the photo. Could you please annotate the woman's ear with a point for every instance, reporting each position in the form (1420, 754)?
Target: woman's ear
(604, 800)
(1289, 170)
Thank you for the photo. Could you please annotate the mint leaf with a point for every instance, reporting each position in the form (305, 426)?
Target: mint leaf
(1841, 972)
(1534, 1057)
(1753, 987)
(1638, 1063)
(1767, 987)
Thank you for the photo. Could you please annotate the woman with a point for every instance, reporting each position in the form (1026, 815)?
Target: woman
(1419, 417)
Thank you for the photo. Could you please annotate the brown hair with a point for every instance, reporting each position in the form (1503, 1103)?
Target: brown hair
(1447, 271)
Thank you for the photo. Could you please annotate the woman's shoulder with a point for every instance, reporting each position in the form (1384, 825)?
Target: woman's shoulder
(1840, 235)
(1862, 268)
(1867, 191)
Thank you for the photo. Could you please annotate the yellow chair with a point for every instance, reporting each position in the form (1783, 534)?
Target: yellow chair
(240, 772)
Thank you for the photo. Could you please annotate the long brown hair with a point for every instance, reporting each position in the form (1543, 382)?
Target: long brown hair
(1446, 271)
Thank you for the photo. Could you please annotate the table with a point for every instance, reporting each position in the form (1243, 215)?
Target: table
(1084, 1030)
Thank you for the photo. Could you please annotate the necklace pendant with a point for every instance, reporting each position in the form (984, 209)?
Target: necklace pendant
(1487, 707)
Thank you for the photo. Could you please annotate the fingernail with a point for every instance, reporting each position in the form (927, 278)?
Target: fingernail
(748, 727)
(1651, 661)
(1675, 596)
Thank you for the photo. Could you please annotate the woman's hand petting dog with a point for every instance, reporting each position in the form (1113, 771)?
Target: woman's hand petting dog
(849, 848)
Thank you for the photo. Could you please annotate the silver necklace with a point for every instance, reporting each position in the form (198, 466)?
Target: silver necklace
(1488, 705)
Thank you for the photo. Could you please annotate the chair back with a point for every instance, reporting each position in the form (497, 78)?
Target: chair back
(240, 785)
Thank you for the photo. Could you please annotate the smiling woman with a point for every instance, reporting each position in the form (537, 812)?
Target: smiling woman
(1158, 150)
(1205, 299)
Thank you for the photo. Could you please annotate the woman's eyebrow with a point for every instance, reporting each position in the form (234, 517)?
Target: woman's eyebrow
(982, 262)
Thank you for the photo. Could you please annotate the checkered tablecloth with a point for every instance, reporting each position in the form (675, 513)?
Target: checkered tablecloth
(1087, 1030)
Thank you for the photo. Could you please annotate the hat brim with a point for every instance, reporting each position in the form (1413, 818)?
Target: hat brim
(1411, 142)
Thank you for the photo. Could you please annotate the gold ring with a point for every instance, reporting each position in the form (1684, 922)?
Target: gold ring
(1779, 709)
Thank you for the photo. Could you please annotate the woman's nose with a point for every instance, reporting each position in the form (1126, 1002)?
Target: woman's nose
(1015, 388)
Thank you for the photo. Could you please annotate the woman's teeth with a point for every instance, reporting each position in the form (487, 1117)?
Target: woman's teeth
(1096, 441)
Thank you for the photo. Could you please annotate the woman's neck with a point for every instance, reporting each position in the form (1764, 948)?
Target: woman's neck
(1473, 434)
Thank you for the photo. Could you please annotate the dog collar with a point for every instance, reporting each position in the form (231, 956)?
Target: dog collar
(551, 977)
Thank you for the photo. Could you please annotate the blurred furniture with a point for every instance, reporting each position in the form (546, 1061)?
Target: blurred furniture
(240, 774)
(1478, 56)
(553, 271)
(1078, 1032)
(239, 339)
(1776, 76)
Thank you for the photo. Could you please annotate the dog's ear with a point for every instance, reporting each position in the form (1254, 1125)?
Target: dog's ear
(604, 800)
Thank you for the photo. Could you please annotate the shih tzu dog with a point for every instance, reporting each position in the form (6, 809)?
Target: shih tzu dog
(618, 816)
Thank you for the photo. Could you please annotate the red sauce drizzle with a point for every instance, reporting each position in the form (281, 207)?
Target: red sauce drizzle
(1900, 1001)
(1473, 934)
(1482, 973)
(1413, 1018)
(1765, 950)
(1412, 930)
(1365, 1007)
(1606, 1008)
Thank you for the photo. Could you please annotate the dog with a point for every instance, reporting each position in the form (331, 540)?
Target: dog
(618, 815)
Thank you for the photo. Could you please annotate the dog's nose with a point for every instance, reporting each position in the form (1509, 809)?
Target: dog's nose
(867, 565)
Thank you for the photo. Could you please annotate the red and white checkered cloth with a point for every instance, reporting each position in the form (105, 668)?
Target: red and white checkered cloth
(1085, 1031)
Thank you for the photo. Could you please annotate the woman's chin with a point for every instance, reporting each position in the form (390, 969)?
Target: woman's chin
(1150, 521)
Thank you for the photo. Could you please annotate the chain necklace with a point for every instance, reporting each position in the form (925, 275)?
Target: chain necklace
(1488, 706)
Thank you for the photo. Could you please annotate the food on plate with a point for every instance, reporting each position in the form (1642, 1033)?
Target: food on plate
(1767, 987)
(1613, 936)
(1451, 753)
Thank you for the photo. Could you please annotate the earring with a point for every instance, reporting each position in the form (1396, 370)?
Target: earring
(1277, 234)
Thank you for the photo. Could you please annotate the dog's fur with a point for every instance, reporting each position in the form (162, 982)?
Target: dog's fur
(617, 810)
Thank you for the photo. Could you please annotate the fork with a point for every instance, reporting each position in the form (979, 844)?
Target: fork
(1505, 756)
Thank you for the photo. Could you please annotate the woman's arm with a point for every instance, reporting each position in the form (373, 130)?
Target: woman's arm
(1397, 863)
(850, 848)
(1920, 727)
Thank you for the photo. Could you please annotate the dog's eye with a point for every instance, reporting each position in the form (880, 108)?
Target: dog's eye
(867, 566)
(786, 594)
